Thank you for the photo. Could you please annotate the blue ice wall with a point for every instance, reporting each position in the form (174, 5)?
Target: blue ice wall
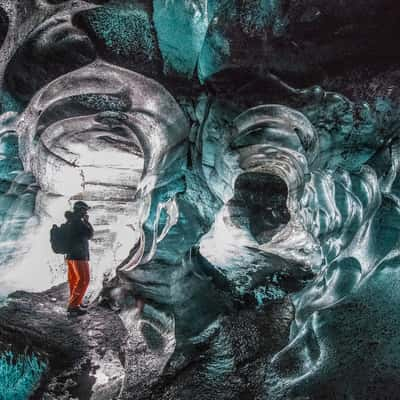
(181, 27)
(8, 102)
(17, 196)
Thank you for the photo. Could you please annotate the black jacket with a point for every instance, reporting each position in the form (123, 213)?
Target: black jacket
(79, 234)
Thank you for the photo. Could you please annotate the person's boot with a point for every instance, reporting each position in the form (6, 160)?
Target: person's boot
(75, 311)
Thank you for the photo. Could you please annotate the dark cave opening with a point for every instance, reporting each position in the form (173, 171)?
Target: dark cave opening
(259, 204)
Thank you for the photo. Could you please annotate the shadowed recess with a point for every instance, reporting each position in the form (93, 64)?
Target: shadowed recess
(4, 22)
(53, 50)
(259, 204)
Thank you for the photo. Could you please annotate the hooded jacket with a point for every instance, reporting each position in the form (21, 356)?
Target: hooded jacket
(79, 234)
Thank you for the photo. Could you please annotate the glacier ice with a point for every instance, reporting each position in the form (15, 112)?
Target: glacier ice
(234, 171)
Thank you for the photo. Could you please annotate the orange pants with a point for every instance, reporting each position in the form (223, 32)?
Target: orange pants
(78, 278)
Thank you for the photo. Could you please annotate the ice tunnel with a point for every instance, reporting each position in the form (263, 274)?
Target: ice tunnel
(238, 163)
(107, 140)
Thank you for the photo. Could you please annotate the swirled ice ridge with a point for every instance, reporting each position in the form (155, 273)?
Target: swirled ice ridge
(342, 197)
(344, 336)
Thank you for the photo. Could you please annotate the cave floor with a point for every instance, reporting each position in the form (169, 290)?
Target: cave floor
(95, 357)
(84, 353)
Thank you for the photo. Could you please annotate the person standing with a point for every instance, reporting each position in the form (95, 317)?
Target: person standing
(80, 231)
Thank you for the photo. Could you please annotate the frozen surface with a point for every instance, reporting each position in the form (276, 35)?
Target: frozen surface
(230, 165)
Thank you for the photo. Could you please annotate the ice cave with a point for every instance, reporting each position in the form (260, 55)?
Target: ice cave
(240, 162)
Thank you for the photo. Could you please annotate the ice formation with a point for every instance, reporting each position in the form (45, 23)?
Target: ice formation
(230, 164)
